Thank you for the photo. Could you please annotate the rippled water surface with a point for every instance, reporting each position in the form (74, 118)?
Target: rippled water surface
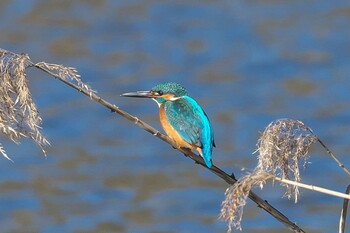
(246, 62)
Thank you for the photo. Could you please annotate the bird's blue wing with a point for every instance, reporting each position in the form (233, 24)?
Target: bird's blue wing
(190, 121)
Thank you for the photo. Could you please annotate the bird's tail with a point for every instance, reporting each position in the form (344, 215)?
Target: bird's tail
(206, 155)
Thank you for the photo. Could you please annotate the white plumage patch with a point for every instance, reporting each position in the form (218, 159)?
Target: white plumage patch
(156, 102)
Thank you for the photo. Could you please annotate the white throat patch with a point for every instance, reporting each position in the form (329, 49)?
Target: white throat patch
(172, 99)
(156, 102)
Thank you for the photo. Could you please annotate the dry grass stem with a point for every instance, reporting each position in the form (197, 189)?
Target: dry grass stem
(340, 164)
(313, 188)
(344, 212)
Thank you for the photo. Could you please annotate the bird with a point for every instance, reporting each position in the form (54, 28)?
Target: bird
(182, 118)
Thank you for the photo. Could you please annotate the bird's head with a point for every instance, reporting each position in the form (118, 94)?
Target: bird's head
(161, 93)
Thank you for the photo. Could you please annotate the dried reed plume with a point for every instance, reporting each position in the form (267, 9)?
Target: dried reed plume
(283, 144)
(236, 198)
(19, 117)
(281, 147)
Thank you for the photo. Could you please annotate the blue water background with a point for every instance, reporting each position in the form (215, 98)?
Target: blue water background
(246, 62)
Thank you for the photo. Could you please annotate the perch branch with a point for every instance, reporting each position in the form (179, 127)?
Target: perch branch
(230, 179)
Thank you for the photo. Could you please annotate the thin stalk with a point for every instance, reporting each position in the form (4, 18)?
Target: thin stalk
(340, 164)
(313, 187)
(344, 212)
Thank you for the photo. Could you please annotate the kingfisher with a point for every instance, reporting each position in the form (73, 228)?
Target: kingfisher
(182, 118)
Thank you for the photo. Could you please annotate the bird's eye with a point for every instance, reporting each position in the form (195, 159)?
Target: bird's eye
(160, 93)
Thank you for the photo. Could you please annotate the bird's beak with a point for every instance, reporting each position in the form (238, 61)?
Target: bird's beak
(140, 94)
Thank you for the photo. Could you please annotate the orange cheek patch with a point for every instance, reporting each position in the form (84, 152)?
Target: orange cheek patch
(167, 96)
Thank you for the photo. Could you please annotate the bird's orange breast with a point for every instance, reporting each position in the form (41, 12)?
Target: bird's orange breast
(171, 132)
